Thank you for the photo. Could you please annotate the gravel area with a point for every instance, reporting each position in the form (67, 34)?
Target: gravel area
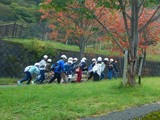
(129, 114)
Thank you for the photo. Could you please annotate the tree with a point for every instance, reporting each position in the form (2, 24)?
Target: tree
(72, 25)
(132, 31)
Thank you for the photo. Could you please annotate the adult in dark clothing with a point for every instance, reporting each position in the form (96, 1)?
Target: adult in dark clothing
(58, 69)
(115, 69)
(110, 68)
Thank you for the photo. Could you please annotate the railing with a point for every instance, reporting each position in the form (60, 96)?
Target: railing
(11, 30)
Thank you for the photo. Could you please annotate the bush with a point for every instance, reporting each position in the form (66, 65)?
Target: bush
(6, 2)
(7, 13)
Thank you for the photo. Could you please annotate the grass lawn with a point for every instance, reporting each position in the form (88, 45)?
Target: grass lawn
(73, 101)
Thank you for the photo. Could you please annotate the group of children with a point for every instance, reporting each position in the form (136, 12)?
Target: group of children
(69, 70)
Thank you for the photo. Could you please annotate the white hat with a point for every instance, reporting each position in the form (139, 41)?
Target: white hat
(75, 59)
(37, 64)
(49, 60)
(70, 59)
(84, 58)
(99, 59)
(111, 60)
(94, 59)
(106, 59)
(45, 56)
(64, 56)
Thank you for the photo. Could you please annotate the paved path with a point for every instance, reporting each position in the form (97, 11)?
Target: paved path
(129, 114)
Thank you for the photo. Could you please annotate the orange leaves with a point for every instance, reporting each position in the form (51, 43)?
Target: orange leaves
(90, 4)
(54, 35)
(45, 15)
(52, 26)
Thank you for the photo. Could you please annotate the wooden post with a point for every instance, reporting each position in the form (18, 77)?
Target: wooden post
(125, 68)
(140, 69)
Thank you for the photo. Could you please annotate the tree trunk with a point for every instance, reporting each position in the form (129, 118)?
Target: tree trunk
(131, 74)
(82, 45)
(132, 67)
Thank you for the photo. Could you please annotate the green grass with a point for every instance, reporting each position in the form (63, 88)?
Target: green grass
(151, 116)
(59, 46)
(8, 81)
(73, 101)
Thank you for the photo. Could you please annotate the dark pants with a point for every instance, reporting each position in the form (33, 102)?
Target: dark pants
(110, 74)
(56, 76)
(96, 77)
(90, 75)
(27, 77)
(42, 76)
(102, 76)
(115, 74)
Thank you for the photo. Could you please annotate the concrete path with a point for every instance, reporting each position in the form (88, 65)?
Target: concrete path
(129, 114)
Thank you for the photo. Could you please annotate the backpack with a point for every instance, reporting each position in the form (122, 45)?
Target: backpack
(27, 68)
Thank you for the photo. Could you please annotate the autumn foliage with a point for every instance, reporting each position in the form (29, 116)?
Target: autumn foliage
(72, 25)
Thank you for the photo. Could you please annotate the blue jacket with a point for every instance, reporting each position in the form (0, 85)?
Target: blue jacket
(59, 66)
(68, 68)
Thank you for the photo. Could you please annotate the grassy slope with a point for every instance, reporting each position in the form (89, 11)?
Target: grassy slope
(56, 45)
(72, 101)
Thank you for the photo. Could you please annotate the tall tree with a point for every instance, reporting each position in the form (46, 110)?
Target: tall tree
(131, 12)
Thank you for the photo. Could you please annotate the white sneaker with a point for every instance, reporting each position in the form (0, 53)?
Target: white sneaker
(18, 82)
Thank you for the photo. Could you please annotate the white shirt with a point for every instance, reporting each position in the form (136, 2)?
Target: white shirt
(98, 68)
(43, 64)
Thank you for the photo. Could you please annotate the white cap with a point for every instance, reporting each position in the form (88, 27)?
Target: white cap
(37, 64)
(94, 59)
(106, 59)
(49, 60)
(45, 56)
(84, 58)
(99, 59)
(111, 60)
(64, 56)
(75, 59)
(70, 59)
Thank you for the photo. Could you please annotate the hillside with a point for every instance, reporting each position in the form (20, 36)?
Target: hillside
(19, 11)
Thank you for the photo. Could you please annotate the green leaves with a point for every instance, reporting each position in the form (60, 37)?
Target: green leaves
(109, 4)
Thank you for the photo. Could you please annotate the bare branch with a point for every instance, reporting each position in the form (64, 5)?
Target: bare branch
(152, 18)
(125, 15)
(114, 39)
(141, 5)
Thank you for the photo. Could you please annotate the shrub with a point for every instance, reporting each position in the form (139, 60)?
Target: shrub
(6, 2)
